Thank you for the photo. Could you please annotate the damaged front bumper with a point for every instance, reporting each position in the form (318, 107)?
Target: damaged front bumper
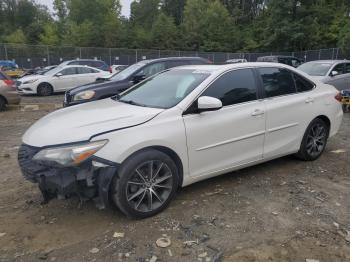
(90, 180)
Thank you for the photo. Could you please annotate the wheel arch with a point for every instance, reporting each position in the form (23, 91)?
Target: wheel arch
(4, 98)
(45, 83)
(171, 153)
(326, 120)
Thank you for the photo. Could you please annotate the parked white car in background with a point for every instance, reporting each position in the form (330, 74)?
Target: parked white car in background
(59, 79)
(332, 72)
(181, 126)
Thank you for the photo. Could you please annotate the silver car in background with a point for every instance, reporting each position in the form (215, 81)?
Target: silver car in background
(8, 93)
(332, 72)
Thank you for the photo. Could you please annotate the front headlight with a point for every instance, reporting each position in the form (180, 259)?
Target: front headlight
(84, 95)
(30, 81)
(70, 155)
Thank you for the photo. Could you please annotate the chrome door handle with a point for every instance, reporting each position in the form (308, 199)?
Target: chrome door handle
(258, 112)
(309, 100)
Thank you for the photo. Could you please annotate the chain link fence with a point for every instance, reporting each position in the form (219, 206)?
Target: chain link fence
(31, 56)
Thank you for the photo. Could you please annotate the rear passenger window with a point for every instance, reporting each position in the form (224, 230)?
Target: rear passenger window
(234, 87)
(347, 68)
(277, 81)
(302, 84)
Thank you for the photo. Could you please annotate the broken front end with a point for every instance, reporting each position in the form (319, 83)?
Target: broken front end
(65, 171)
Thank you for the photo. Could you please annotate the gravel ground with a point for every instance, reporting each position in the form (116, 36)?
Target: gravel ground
(283, 210)
(34, 99)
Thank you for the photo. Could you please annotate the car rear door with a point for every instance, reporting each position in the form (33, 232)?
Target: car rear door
(86, 75)
(288, 110)
(229, 137)
(66, 81)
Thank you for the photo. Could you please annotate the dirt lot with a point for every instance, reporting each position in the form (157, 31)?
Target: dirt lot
(283, 210)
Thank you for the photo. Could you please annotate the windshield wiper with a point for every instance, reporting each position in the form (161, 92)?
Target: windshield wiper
(130, 102)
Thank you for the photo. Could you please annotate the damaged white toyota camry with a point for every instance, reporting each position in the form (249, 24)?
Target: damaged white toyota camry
(183, 125)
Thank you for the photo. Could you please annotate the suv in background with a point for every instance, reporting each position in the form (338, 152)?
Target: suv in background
(288, 60)
(121, 81)
(99, 64)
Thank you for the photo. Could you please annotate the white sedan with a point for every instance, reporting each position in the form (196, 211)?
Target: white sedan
(59, 79)
(181, 126)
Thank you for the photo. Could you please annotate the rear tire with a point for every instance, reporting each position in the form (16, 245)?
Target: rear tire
(314, 141)
(2, 104)
(145, 184)
(45, 89)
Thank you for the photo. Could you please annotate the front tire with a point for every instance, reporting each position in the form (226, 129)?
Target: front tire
(45, 89)
(145, 184)
(314, 140)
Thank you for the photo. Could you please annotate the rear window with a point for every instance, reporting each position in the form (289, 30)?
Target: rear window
(277, 81)
(302, 84)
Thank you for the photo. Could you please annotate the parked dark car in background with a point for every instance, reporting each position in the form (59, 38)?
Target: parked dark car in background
(288, 60)
(99, 64)
(121, 81)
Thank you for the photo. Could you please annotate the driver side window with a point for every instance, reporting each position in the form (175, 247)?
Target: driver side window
(69, 71)
(152, 69)
(339, 68)
(234, 87)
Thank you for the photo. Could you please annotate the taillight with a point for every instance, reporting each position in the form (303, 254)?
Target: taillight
(110, 70)
(339, 97)
(9, 82)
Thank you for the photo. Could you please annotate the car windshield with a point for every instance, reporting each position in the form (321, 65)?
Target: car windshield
(164, 90)
(52, 71)
(315, 69)
(127, 72)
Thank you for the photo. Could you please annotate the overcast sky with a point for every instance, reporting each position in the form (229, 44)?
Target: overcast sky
(125, 5)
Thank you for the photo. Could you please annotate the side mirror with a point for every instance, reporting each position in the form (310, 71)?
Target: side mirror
(208, 103)
(334, 73)
(59, 74)
(138, 78)
(101, 79)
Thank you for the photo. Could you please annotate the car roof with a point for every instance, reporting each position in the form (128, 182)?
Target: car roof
(282, 56)
(69, 66)
(225, 67)
(172, 59)
(329, 61)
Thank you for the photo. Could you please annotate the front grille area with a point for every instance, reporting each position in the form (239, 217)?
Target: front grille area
(29, 167)
(67, 97)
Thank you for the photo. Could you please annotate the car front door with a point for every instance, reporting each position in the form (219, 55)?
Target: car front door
(65, 79)
(288, 112)
(341, 80)
(232, 136)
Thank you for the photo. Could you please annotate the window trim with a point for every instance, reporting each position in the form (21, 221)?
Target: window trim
(75, 68)
(258, 93)
(313, 84)
(292, 72)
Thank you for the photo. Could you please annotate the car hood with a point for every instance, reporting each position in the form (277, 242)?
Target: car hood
(96, 85)
(80, 123)
(30, 77)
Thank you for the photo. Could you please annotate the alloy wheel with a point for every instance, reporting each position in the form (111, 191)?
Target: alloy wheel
(149, 186)
(316, 139)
